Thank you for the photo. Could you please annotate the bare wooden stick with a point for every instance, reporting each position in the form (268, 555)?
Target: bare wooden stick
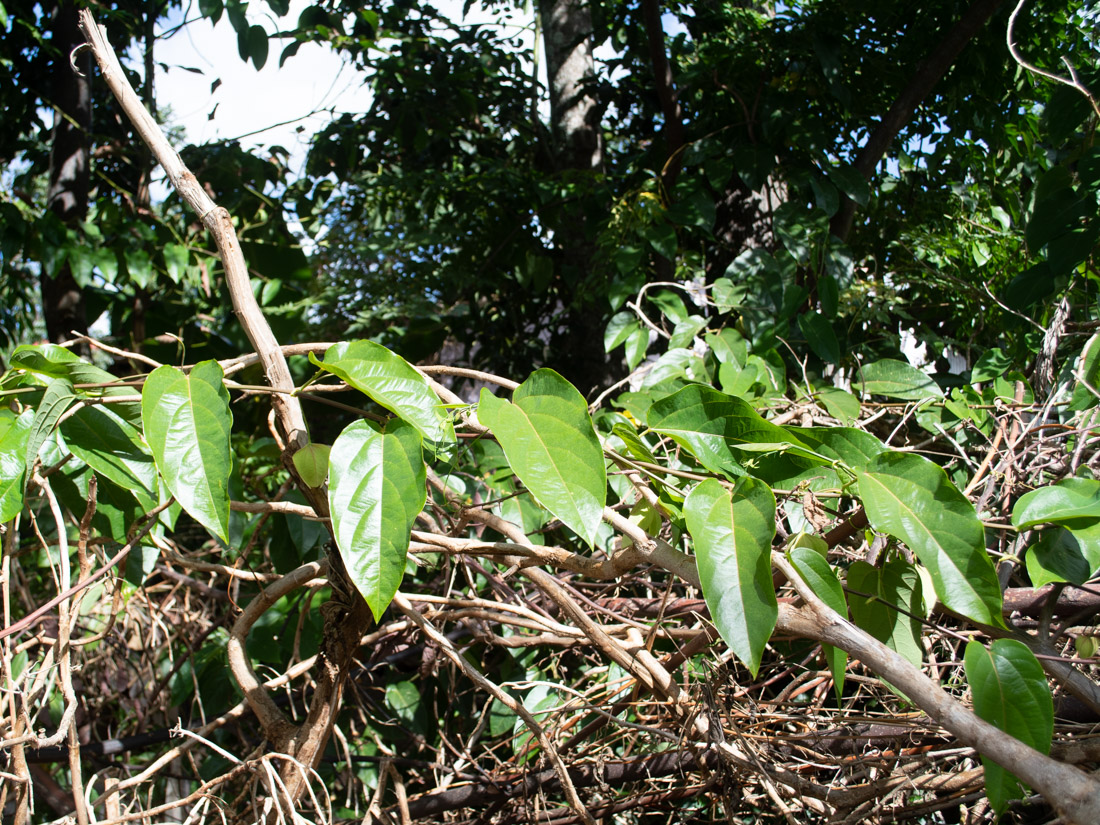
(216, 219)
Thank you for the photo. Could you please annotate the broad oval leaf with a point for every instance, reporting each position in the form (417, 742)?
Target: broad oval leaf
(816, 571)
(114, 448)
(876, 594)
(897, 379)
(548, 438)
(1068, 500)
(910, 498)
(1065, 554)
(840, 404)
(187, 424)
(376, 489)
(719, 429)
(733, 535)
(311, 462)
(391, 382)
(15, 431)
(1011, 692)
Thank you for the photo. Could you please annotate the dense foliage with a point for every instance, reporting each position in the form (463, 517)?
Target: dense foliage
(790, 512)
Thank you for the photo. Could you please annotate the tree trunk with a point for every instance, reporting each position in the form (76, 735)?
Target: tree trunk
(67, 195)
(570, 69)
(576, 337)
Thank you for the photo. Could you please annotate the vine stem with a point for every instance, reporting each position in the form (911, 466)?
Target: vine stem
(220, 224)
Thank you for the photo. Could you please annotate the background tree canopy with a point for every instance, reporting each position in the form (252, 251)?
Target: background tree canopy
(702, 428)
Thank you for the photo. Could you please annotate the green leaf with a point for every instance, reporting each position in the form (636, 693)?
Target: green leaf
(849, 181)
(840, 404)
(820, 336)
(257, 45)
(993, 364)
(376, 489)
(1010, 691)
(187, 424)
(733, 536)
(391, 382)
(176, 258)
(876, 594)
(311, 462)
(685, 331)
(816, 571)
(634, 444)
(539, 701)
(636, 345)
(57, 398)
(212, 9)
(1087, 372)
(855, 448)
(114, 448)
(619, 329)
(670, 304)
(14, 433)
(548, 438)
(728, 346)
(912, 499)
(1065, 554)
(53, 361)
(719, 429)
(897, 379)
(1061, 503)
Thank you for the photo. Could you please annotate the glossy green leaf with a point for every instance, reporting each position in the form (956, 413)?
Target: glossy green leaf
(896, 379)
(548, 438)
(719, 429)
(391, 382)
(57, 398)
(733, 536)
(15, 431)
(855, 448)
(187, 424)
(816, 571)
(1010, 691)
(52, 361)
(376, 489)
(912, 499)
(114, 448)
(876, 594)
(1065, 554)
(1061, 503)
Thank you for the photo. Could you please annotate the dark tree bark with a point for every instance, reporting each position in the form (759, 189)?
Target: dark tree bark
(67, 195)
(928, 74)
(666, 91)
